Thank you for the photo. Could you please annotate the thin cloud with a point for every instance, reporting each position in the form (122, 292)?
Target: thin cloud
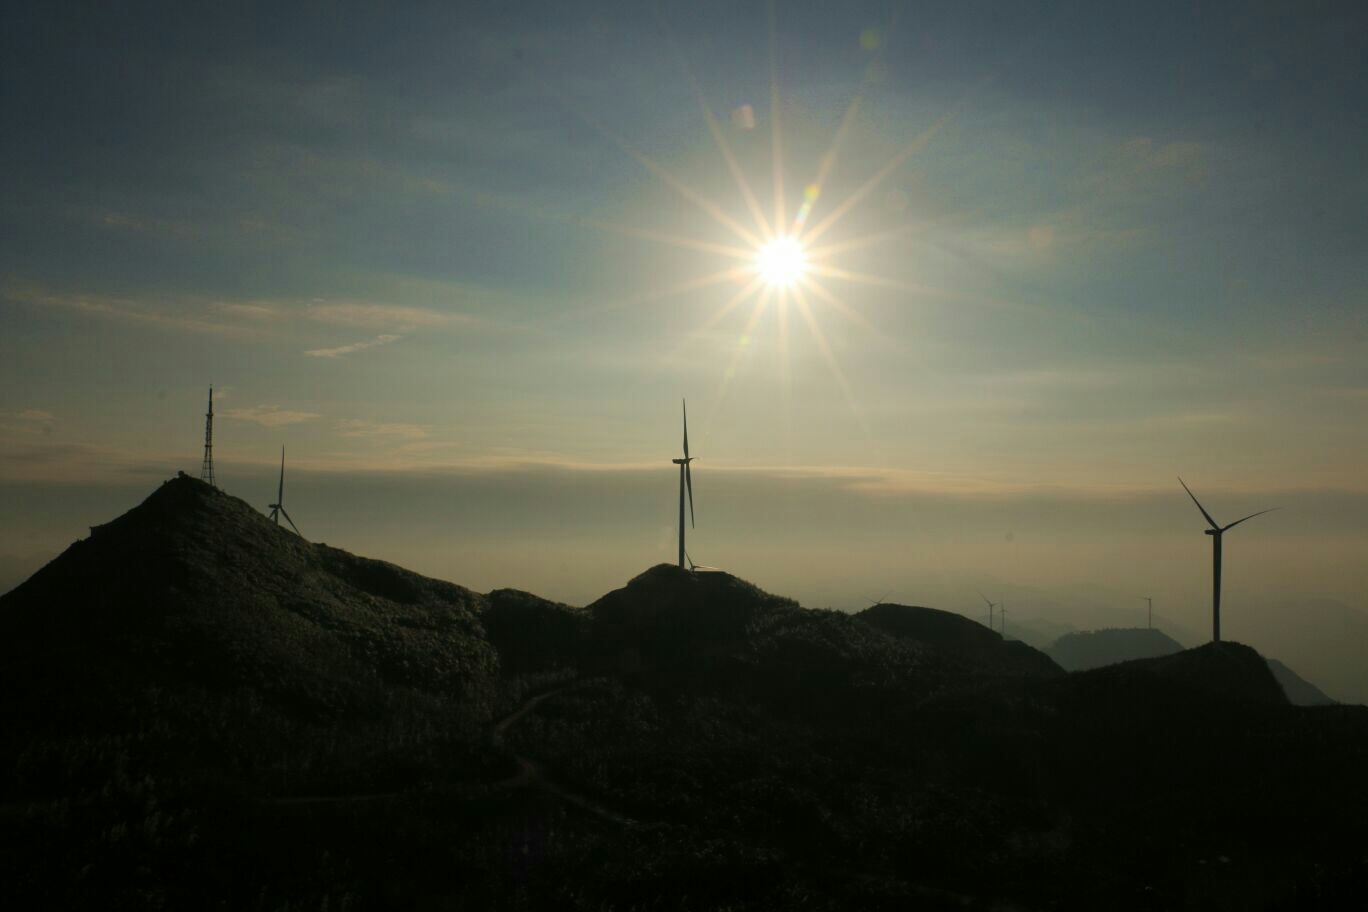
(381, 316)
(269, 415)
(120, 308)
(28, 421)
(383, 430)
(383, 339)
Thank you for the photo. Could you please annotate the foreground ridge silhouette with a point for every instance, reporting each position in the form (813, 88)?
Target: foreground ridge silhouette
(203, 710)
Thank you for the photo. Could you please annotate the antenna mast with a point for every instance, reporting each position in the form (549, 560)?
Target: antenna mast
(207, 468)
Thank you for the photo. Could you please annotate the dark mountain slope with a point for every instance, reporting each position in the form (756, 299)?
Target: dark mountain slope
(204, 711)
(194, 585)
(1223, 672)
(1300, 692)
(979, 649)
(201, 642)
(1095, 648)
(669, 627)
(533, 634)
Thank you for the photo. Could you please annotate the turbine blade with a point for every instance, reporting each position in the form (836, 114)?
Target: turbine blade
(688, 483)
(1213, 522)
(291, 522)
(280, 491)
(1251, 516)
(985, 598)
(686, 429)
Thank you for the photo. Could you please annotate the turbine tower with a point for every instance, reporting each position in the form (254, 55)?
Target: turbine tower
(278, 508)
(685, 483)
(207, 467)
(1150, 602)
(991, 606)
(1216, 531)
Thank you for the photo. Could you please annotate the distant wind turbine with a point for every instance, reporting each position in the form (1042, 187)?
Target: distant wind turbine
(278, 508)
(1216, 531)
(991, 606)
(685, 483)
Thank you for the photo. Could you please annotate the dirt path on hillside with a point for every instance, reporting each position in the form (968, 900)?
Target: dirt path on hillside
(529, 772)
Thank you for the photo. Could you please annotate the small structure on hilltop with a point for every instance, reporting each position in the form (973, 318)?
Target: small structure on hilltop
(207, 467)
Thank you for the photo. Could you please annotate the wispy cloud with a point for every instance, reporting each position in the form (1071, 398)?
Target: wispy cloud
(357, 428)
(338, 352)
(380, 316)
(28, 422)
(175, 315)
(269, 415)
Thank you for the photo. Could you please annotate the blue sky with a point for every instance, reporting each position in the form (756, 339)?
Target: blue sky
(464, 251)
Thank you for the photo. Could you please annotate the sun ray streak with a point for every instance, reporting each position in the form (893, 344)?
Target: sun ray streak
(703, 281)
(829, 158)
(903, 154)
(715, 129)
(776, 133)
(926, 291)
(868, 240)
(833, 365)
(664, 237)
(743, 343)
(875, 281)
(841, 307)
(732, 303)
(660, 171)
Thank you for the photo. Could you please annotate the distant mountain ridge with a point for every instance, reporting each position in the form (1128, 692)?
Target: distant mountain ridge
(1085, 650)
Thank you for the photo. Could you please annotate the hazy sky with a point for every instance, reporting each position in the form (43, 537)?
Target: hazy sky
(464, 263)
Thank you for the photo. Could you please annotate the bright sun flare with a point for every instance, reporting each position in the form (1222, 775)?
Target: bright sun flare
(781, 262)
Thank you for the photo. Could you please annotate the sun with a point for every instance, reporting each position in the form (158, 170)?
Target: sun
(781, 262)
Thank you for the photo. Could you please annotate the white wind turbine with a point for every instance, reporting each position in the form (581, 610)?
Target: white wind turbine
(278, 508)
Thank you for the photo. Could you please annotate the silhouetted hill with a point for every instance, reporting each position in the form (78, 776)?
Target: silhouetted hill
(194, 585)
(533, 634)
(1225, 671)
(1095, 648)
(952, 634)
(256, 658)
(204, 711)
(1300, 692)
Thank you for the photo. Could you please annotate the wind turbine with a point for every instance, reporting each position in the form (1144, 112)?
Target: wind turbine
(278, 508)
(991, 606)
(685, 482)
(696, 567)
(1216, 531)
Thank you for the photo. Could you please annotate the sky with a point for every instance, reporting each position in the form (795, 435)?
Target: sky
(464, 263)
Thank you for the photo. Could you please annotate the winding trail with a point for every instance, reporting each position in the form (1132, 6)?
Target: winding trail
(530, 772)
